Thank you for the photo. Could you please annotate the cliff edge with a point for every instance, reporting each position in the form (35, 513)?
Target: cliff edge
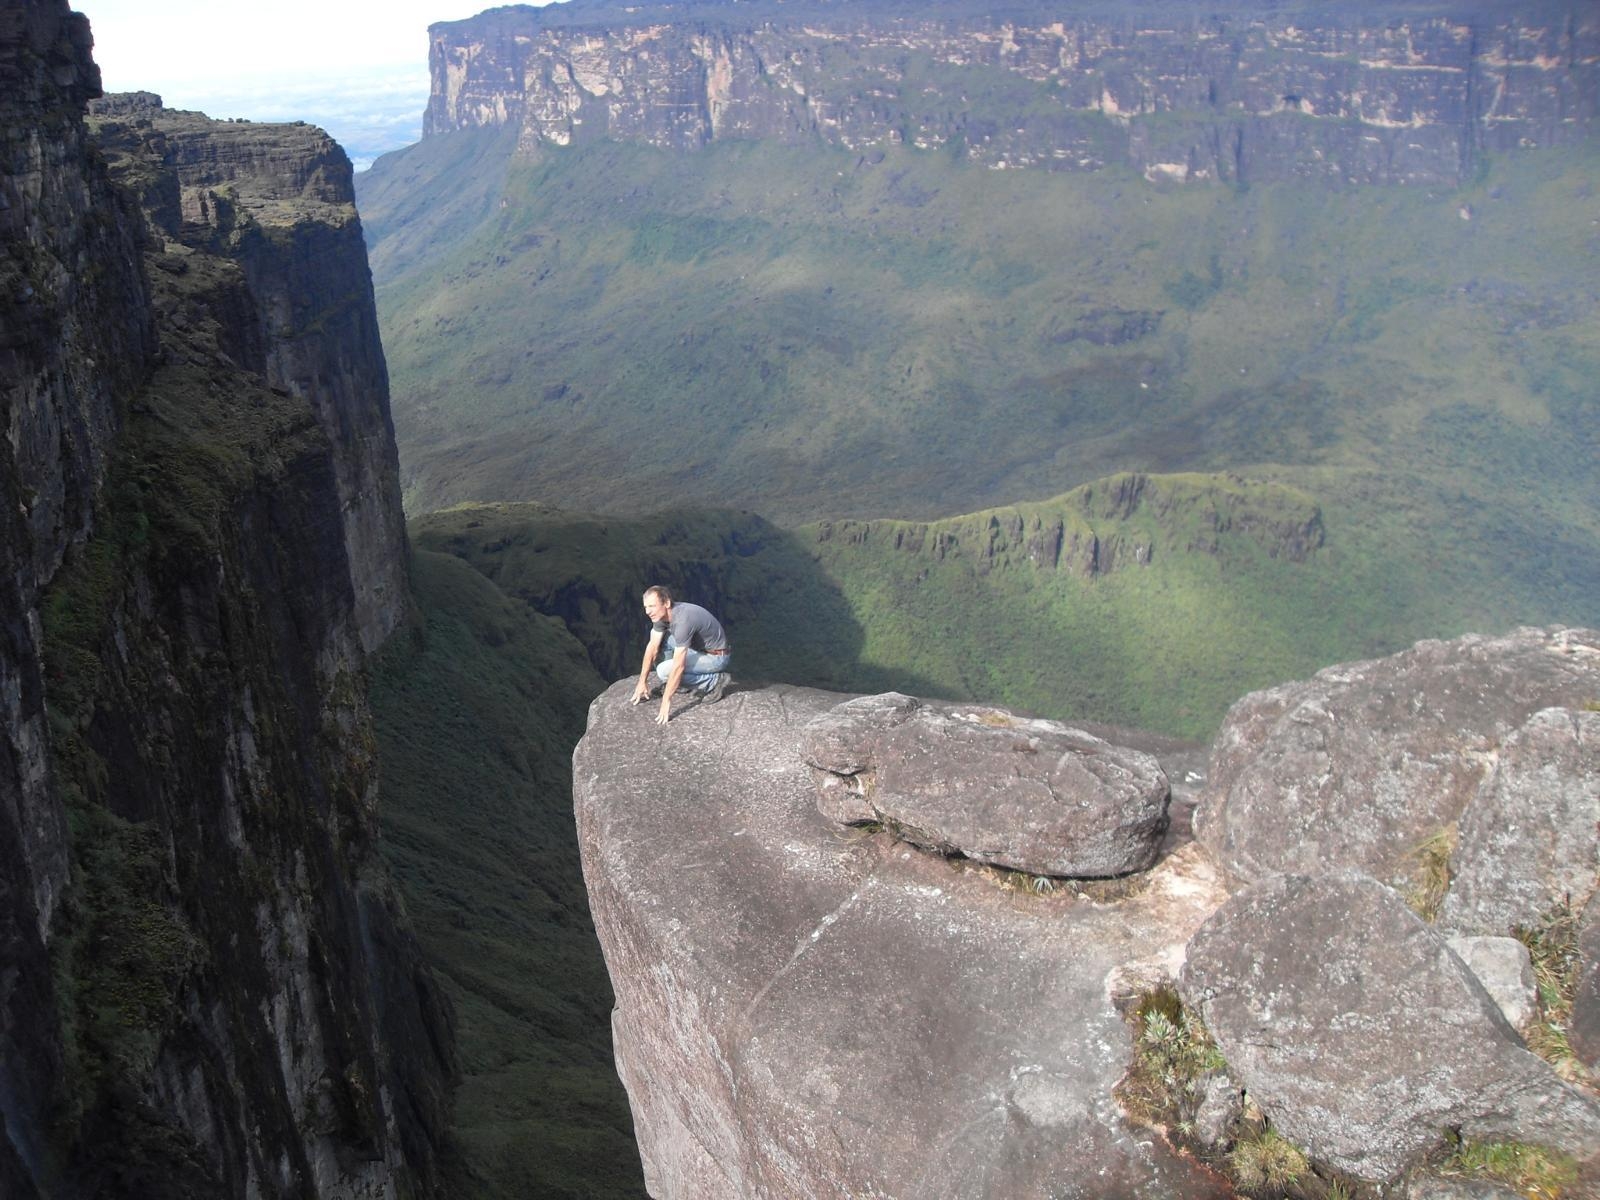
(804, 1010)
(1391, 94)
(210, 986)
(822, 990)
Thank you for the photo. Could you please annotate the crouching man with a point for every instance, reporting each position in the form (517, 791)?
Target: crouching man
(697, 649)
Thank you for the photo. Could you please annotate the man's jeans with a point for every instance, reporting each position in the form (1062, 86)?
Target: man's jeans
(700, 671)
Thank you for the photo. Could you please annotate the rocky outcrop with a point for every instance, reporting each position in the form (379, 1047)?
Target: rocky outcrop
(278, 201)
(1028, 795)
(1121, 521)
(1528, 839)
(805, 1013)
(1394, 94)
(210, 988)
(75, 338)
(1505, 968)
(1365, 762)
(1362, 1035)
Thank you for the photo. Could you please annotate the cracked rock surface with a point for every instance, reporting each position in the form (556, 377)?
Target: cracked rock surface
(1026, 794)
(807, 1011)
(1363, 1035)
(1362, 764)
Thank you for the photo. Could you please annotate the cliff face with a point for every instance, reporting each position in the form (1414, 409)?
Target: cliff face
(209, 973)
(1391, 95)
(805, 1010)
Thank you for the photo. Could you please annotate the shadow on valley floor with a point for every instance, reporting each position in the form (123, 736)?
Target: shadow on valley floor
(478, 705)
(789, 620)
(518, 622)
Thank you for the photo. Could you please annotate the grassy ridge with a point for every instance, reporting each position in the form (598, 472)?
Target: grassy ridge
(477, 708)
(811, 333)
(1199, 589)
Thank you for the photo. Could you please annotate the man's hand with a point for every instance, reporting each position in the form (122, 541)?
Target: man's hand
(665, 714)
(641, 692)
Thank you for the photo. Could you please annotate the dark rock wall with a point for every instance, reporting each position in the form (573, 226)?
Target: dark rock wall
(279, 201)
(74, 339)
(1387, 95)
(207, 985)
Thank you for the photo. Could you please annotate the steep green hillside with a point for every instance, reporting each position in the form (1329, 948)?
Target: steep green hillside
(478, 707)
(815, 333)
(1138, 600)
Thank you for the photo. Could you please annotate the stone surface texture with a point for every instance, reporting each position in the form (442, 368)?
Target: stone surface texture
(75, 339)
(1385, 95)
(1505, 968)
(1362, 1035)
(807, 1011)
(1530, 838)
(1363, 763)
(1030, 795)
(195, 559)
(1584, 1034)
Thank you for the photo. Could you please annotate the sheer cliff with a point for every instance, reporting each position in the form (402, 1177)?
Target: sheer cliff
(1238, 92)
(210, 987)
(844, 968)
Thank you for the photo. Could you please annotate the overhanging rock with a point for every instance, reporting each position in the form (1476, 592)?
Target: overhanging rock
(809, 1011)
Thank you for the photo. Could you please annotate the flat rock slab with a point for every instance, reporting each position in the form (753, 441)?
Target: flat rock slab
(1362, 1035)
(808, 1011)
(1362, 764)
(1029, 795)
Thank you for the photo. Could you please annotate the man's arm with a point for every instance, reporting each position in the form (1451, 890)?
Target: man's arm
(651, 650)
(679, 659)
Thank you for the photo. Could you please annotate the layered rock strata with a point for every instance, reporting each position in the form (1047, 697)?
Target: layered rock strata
(1120, 521)
(278, 201)
(1394, 94)
(210, 987)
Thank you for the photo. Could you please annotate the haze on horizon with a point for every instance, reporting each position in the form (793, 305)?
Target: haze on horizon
(359, 69)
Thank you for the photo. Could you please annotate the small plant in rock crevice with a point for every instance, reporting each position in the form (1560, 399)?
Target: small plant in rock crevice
(1265, 1160)
(1173, 1056)
(1553, 946)
(1430, 877)
(1533, 1171)
(1174, 1060)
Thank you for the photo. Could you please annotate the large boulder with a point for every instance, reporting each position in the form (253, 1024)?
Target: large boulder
(1362, 1035)
(1363, 763)
(1027, 794)
(1528, 838)
(804, 1010)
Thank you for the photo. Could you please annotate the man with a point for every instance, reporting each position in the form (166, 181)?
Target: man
(697, 646)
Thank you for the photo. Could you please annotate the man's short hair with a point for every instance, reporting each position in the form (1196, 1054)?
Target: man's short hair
(659, 592)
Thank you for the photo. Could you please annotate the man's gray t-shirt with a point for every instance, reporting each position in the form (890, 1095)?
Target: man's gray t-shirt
(694, 628)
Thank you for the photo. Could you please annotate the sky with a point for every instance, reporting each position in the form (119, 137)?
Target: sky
(358, 68)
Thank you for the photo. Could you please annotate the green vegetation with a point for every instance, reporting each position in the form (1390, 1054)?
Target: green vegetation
(1553, 946)
(1265, 1162)
(1173, 1058)
(1158, 603)
(1532, 1171)
(811, 333)
(477, 709)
